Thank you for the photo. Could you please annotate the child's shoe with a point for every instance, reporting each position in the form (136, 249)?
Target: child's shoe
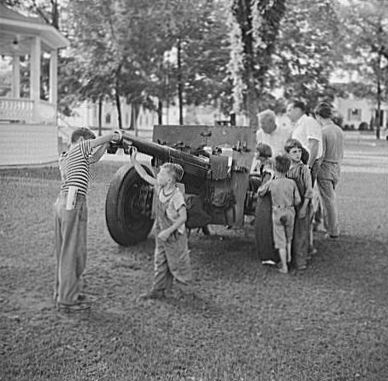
(77, 307)
(153, 294)
(283, 269)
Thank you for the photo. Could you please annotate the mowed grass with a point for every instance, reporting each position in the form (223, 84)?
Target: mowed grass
(248, 323)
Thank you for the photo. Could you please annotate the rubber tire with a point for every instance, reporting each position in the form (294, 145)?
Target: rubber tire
(124, 228)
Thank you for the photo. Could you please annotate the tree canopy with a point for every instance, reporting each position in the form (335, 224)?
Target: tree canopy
(232, 54)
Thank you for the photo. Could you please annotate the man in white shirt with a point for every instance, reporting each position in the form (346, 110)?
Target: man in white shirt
(271, 134)
(308, 131)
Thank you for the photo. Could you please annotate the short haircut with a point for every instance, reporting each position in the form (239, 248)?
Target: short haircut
(296, 103)
(324, 110)
(282, 163)
(175, 169)
(264, 150)
(82, 132)
(267, 116)
(292, 143)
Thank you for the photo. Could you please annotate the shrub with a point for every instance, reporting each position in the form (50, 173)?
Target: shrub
(363, 126)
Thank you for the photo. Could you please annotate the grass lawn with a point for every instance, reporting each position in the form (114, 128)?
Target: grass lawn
(249, 322)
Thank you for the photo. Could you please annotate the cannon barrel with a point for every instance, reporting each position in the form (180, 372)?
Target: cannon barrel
(192, 165)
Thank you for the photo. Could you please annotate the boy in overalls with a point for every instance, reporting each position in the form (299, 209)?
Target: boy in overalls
(172, 261)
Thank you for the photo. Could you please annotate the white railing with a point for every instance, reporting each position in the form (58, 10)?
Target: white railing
(45, 112)
(27, 111)
(16, 110)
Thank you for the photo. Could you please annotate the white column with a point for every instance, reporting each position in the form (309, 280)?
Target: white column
(53, 77)
(15, 77)
(35, 70)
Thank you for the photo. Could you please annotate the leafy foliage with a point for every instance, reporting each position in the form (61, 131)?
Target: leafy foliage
(254, 28)
(307, 51)
(366, 47)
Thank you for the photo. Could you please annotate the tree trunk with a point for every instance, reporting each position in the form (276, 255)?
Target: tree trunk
(244, 18)
(135, 108)
(55, 14)
(180, 82)
(118, 106)
(100, 115)
(160, 112)
(117, 96)
(252, 103)
(378, 116)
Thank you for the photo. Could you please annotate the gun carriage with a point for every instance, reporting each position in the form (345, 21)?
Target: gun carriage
(217, 186)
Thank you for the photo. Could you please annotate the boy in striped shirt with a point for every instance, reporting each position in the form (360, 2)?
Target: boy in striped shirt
(70, 213)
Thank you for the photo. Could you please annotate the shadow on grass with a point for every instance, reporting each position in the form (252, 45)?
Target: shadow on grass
(349, 264)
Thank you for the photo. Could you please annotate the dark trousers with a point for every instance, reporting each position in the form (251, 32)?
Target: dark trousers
(70, 247)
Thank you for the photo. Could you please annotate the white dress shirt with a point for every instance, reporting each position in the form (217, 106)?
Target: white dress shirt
(308, 128)
(276, 140)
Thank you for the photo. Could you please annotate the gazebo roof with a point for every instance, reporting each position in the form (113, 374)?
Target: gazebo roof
(17, 27)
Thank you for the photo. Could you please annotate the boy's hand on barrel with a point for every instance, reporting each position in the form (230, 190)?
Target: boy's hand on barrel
(302, 212)
(133, 153)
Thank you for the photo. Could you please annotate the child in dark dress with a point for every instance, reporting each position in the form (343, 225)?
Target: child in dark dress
(300, 173)
(261, 172)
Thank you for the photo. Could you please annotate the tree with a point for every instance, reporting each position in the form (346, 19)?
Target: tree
(366, 47)
(196, 32)
(307, 51)
(254, 27)
(109, 41)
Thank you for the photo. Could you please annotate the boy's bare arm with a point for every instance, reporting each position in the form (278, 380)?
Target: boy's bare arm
(263, 189)
(303, 208)
(140, 170)
(110, 136)
(99, 152)
(297, 198)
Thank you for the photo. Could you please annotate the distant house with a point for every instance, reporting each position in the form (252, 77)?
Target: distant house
(356, 111)
(28, 105)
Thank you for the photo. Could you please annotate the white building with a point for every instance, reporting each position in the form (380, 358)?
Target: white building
(28, 120)
(356, 111)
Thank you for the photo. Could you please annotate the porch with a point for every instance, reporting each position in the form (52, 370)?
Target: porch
(28, 89)
(19, 110)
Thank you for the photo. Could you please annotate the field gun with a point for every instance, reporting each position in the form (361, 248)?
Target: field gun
(216, 161)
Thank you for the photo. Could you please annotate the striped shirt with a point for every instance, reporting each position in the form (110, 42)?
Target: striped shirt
(74, 167)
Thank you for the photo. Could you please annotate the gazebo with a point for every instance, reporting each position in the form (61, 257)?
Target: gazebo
(28, 104)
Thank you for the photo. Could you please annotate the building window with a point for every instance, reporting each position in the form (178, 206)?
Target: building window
(126, 119)
(354, 114)
(107, 118)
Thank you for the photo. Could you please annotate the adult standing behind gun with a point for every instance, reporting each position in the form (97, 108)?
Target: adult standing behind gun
(271, 133)
(307, 130)
(329, 171)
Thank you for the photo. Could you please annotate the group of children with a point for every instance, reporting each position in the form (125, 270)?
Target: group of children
(289, 186)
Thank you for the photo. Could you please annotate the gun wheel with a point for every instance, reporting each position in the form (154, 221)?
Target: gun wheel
(128, 207)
